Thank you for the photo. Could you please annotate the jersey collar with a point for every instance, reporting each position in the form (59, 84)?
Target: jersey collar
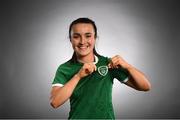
(95, 62)
(96, 59)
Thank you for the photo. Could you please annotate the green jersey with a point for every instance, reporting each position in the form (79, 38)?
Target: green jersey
(92, 97)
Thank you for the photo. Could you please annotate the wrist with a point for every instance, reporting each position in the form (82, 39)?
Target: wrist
(128, 67)
(77, 76)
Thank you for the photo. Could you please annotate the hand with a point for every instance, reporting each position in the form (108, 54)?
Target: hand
(117, 62)
(87, 69)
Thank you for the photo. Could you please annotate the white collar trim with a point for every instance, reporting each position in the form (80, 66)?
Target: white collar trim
(96, 59)
(95, 62)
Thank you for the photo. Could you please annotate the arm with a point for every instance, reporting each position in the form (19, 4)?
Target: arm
(137, 79)
(59, 95)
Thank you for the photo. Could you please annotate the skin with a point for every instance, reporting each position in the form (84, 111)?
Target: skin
(83, 41)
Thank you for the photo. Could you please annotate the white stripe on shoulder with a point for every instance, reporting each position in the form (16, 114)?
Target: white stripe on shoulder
(125, 80)
(57, 84)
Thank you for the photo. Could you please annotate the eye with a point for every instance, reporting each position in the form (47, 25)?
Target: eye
(88, 36)
(75, 36)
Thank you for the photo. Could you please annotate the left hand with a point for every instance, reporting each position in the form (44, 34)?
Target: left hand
(117, 62)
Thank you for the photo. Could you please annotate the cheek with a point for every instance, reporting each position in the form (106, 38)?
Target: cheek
(91, 42)
(73, 44)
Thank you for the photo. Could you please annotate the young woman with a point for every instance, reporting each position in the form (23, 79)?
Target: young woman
(87, 78)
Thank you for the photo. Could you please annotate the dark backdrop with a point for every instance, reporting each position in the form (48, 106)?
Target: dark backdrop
(34, 42)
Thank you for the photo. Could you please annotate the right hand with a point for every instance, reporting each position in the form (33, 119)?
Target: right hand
(86, 69)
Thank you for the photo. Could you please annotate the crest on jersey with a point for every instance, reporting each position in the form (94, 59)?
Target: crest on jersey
(103, 70)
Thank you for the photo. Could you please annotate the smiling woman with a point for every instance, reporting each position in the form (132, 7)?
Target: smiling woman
(83, 40)
(90, 35)
(87, 78)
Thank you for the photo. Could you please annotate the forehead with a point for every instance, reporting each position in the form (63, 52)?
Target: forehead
(82, 28)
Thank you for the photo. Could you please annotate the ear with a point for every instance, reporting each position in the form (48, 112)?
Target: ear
(96, 37)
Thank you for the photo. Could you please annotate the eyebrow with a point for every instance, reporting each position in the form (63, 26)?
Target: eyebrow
(88, 33)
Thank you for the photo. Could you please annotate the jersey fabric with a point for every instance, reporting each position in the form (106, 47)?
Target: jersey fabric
(92, 97)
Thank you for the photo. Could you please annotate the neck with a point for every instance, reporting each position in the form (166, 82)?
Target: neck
(86, 59)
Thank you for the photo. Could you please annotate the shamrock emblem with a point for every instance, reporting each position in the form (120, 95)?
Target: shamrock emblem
(103, 70)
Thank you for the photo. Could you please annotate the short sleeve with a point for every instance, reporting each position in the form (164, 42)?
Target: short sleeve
(59, 79)
(121, 74)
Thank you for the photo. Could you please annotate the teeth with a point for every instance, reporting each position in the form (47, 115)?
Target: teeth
(83, 47)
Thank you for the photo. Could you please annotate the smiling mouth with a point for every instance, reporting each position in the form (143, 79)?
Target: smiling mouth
(83, 47)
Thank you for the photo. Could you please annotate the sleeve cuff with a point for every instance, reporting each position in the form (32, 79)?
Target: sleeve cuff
(125, 80)
(57, 84)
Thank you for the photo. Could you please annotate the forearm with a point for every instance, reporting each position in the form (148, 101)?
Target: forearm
(137, 79)
(62, 94)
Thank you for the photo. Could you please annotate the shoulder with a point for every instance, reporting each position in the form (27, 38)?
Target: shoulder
(65, 65)
(68, 67)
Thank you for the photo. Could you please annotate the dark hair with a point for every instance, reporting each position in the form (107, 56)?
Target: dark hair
(82, 20)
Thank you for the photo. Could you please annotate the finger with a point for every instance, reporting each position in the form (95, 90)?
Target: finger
(115, 59)
(87, 68)
(109, 62)
(91, 70)
(109, 65)
(117, 64)
(112, 61)
(95, 68)
(92, 67)
(87, 71)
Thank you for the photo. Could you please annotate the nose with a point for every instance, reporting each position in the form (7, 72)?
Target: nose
(82, 40)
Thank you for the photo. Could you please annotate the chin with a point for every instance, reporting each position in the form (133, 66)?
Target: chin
(83, 55)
